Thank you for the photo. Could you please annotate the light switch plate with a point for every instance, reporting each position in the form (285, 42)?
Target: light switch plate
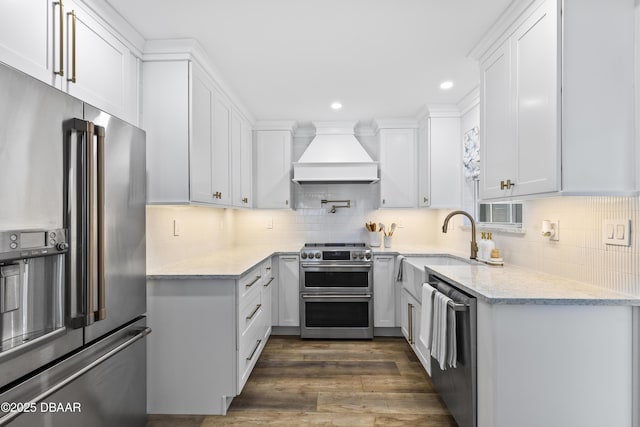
(616, 232)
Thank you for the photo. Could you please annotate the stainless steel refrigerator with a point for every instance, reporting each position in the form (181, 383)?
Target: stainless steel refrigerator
(72, 261)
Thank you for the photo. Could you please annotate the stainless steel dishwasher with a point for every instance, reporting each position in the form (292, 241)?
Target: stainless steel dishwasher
(458, 386)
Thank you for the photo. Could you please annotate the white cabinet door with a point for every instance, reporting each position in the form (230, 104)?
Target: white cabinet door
(268, 284)
(446, 165)
(241, 161)
(210, 142)
(29, 36)
(404, 314)
(535, 56)
(398, 168)
(497, 146)
(200, 152)
(273, 169)
(384, 284)
(246, 164)
(289, 291)
(97, 63)
(166, 121)
(220, 151)
(424, 166)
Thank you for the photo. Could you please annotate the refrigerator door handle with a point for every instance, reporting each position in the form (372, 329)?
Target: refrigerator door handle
(101, 312)
(84, 217)
(140, 334)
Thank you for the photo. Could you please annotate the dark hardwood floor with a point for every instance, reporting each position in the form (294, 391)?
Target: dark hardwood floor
(338, 383)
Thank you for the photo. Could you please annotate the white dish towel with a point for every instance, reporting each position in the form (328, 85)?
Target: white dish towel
(452, 347)
(399, 267)
(426, 315)
(439, 337)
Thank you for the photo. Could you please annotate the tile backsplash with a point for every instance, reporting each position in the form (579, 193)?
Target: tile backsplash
(579, 254)
(312, 222)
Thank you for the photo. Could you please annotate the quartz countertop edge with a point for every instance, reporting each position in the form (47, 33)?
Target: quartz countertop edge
(516, 285)
(230, 264)
(496, 285)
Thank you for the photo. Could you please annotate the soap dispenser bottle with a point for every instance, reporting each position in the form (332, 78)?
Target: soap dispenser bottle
(490, 246)
(482, 247)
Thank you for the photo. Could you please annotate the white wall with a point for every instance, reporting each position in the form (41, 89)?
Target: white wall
(202, 230)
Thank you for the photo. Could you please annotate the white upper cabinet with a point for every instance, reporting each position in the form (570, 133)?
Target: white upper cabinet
(97, 69)
(497, 147)
(273, 169)
(548, 91)
(398, 168)
(216, 145)
(70, 48)
(29, 31)
(241, 161)
(440, 159)
(199, 147)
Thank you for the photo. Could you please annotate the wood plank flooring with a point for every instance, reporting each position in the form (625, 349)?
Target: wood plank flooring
(337, 383)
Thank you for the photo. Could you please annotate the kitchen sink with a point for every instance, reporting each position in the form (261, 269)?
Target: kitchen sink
(414, 270)
(421, 261)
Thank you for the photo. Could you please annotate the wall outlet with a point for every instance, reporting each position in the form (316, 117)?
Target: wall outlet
(616, 232)
(176, 228)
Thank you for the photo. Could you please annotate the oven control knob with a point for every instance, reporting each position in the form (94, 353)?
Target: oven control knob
(367, 255)
(354, 255)
(62, 246)
(317, 255)
(360, 255)
(303, 255)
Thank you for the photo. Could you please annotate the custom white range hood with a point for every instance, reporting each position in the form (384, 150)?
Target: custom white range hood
(335, 156)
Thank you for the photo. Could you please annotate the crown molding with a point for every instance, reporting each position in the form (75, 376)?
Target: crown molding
(469, 101)
(192, 50)
(394, 123)
(108, 17)
(500, 29)
(288, 125)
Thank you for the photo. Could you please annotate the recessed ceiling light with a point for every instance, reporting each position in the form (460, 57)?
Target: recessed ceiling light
(446, 85)
(336, 105)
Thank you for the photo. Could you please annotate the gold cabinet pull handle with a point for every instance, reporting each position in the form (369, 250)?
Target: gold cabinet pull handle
(255, 310)
(245, 200)
(73, 47)
(506, 185)
(61, 44)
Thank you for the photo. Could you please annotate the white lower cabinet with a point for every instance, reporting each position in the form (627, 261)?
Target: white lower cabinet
(410, 320)
(384, 291)
(289, 290)
(207, 337)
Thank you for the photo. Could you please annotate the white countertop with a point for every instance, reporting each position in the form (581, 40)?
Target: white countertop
(516, 285)
(497, 285)
(229, 263)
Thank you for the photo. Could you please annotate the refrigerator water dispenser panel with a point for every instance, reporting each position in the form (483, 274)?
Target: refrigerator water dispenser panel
(18, 244)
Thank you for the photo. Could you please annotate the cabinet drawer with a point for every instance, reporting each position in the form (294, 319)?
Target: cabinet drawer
(249, 283)
(249, 313)
(249, 349)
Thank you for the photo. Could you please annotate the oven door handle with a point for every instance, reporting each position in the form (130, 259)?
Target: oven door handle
(367, 266)
(345, 296)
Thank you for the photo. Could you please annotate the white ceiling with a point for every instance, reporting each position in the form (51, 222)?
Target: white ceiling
(290, 59)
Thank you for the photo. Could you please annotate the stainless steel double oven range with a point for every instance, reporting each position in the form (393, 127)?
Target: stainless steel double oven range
(336, 291)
